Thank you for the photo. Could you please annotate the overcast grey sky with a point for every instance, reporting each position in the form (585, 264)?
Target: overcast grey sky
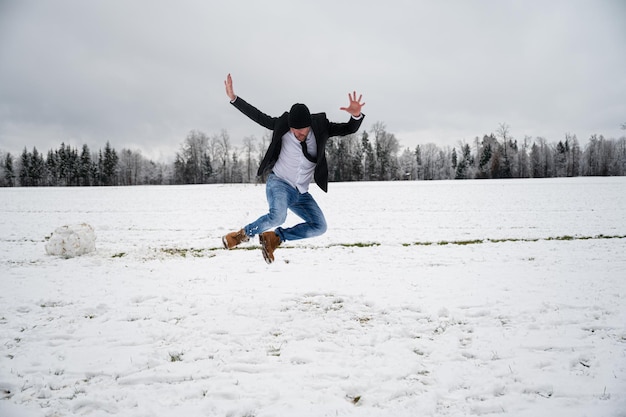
(142, 74)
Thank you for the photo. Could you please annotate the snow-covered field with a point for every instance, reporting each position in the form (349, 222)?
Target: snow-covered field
(521, 313)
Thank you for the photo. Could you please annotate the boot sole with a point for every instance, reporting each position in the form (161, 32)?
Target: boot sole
(266, 255)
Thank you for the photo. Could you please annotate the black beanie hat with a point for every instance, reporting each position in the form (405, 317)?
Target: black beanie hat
(299, 116)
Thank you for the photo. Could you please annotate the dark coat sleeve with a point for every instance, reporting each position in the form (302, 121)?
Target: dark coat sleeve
(275, 124)
(344, 129)
(255, 114)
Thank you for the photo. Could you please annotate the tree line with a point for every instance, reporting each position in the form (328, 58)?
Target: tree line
(376, 156)
(373, 155)
(66, 166)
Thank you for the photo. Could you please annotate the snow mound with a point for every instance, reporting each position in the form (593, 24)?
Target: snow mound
(72, 240)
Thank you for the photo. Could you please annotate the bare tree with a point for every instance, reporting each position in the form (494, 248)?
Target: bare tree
(408, 165)
(223, 150)
(429, 154)
(190, 161)
(503, 133)
(386, 147)
(541, 162)
(130, 167)
(249, 144)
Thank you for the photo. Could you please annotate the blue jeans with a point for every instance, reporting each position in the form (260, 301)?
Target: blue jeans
(282, 196)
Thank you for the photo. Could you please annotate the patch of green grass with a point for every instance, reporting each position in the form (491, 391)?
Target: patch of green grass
(255, 247)
(566, 237)
(468, 242)
(184, 252)
(460, 242)
(505, 240)
(358, 245)
(209, 251)
(609, 237)
(176, 251)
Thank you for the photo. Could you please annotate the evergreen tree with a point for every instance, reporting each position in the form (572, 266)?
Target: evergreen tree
(418, 162)
(460, 172)
(37, 168)
(52, 168)
(100, 168)
(454, 159)
(24, 176)
(109, 165)
(560, 159)
(179, 169)
(9, 173)
(62, 158)
(468, 159)
(72, 166)
(94, 173)
(85, 167)
(483, 164)
(369, 172)
(357, 163)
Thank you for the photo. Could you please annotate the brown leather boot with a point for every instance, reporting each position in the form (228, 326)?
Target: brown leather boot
(269, 242)
(234, 238)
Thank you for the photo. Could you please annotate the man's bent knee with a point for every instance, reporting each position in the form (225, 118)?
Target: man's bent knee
(318, 229)
(277, 217)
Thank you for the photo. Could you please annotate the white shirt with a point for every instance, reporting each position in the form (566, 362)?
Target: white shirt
(292, 166)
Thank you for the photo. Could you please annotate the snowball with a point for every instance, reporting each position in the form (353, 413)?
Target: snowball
(72, 240)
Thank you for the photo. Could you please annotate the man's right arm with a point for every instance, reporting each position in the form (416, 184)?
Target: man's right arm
(247, 109)
(254, 114)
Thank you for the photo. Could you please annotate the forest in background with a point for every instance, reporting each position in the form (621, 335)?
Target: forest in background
(368, 155)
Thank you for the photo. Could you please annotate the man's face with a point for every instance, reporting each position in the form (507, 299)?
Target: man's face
(300, 134)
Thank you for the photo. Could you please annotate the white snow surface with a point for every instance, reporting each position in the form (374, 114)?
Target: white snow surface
(522, 313)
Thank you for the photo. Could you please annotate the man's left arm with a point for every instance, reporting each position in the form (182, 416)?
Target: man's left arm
(343, 129)
(354, 108)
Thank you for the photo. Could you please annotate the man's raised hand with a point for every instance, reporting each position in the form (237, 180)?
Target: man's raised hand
(354, 108)
(229, 88)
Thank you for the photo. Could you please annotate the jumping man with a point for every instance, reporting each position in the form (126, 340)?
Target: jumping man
(296, 155)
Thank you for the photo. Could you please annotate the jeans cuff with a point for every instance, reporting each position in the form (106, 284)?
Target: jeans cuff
(280, 234)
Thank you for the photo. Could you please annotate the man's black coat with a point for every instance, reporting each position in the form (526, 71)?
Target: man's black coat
(322, 129)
